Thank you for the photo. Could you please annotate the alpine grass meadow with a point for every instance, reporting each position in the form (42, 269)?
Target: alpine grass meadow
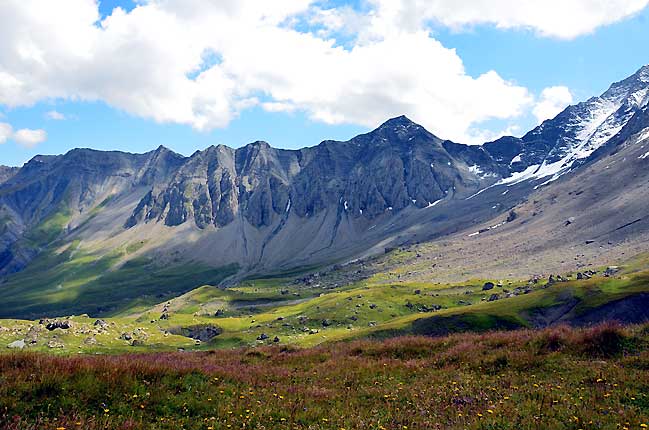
(446, 226)
(559, 378)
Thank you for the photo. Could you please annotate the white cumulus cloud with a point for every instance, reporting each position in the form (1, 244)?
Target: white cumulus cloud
(202, 63)
(29, 138)
(55, 115)
(25, 137)
(6, 130)
(552, 101)
(564, 19)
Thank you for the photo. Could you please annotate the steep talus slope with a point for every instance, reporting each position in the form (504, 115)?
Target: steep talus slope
(266, 208)
(593, 216)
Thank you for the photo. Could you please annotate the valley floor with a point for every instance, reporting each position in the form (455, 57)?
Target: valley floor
(556, 378)
(331, 306)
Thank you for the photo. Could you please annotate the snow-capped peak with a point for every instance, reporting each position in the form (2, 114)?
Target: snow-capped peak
(582, 129)
(643, 74)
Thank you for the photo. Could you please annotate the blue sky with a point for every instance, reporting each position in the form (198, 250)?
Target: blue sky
(529, 56)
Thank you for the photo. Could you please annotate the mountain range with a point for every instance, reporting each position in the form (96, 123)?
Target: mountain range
(91, 219)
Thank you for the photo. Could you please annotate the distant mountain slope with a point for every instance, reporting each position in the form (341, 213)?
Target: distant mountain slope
(266, 210)
(572, 136)
(593, 216)
(6, 173)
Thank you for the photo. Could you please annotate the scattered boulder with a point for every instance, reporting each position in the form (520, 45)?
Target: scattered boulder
(53, 325)
(494, 297)
(431, 308)
(101, 323)
(262, 336)
(54, 344)
(373, 306)
(219, 313)
(488, 286)
(610, 271)
(570, 220)
(126, 336)
(511, 217)
(204, 333)
(580, 276)
(276, 339)
(18, 344)
(326, 323)
(417, 292)
(32, 334)
(90, 341)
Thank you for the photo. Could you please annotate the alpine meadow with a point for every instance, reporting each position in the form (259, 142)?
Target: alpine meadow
(443, 269)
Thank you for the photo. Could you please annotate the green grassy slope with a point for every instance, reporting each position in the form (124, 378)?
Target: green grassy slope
(74, 280)
(257, 311)
(68, 279)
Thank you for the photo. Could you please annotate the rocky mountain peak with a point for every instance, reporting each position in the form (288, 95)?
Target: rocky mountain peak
(397, 122)
(162, 150)
(561, 143)
(259, 144)
(643, 73)
(400, 130)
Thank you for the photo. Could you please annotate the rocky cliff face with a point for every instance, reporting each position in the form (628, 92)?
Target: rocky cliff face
(74, 181)
(6, 173)
(396, 166)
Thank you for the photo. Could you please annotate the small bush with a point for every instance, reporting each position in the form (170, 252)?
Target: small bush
(552, 340)
(605, 340)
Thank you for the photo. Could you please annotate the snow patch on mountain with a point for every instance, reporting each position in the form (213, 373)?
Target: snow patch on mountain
(517, 177)
(640, 99)
(433, 204)
(477, 170)
(589, 126)
(643, 135)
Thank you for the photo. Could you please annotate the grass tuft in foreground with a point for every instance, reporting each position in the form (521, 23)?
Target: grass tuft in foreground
(557, 378)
